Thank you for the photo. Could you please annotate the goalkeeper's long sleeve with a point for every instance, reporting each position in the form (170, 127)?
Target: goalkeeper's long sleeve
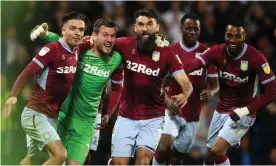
(51, 37)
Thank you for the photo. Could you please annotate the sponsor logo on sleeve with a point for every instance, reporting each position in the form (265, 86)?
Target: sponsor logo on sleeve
(46, 136)
(44, 51)
(266, 68)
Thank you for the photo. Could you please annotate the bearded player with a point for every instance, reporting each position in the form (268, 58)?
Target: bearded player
(180, 130)
(96, 66)
(142, 109)
(54, 67)
(240, 67)
(147, 100)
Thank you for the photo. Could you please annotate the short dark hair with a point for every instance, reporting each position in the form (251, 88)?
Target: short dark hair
(146, 12)
(189, 16)
(237, 22)
(105, 22)
(76, 16)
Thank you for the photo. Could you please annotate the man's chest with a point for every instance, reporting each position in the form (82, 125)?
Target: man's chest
(235, 71)
(65, 64)
(96, 66)
(151, 64)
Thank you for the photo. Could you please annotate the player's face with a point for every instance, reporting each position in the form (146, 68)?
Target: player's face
(73, 32)
(234, 39)
(190, 30)
(146, 28)
(105, 39)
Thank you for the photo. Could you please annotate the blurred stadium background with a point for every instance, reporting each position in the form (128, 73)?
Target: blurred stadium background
(18, 18)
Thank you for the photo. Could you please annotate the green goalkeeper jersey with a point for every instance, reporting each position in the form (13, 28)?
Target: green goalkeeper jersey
(91, 76)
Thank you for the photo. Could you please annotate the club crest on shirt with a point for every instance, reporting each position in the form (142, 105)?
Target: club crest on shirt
(266, 68)
(43, 51)
(244, 65)
(155, 56)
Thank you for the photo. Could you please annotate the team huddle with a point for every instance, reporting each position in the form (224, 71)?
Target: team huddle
(157, 87)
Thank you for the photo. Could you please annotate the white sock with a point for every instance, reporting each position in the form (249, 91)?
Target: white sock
(109, 161)
(154, 162)
(227, 162)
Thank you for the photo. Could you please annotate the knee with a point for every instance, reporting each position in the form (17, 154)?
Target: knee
(163, 150)
(142, 161)
(60, 155)
(217, 151)
(116, 161)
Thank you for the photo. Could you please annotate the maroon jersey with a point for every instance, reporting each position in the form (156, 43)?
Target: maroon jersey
(191, 111)
(142, 96)
(239, 77)
(54, 67)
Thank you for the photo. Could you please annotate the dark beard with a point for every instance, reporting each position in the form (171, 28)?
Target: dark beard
(102, 52)
(146, 46)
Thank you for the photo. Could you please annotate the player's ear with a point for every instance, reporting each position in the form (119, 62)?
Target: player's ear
(181, 28)
(62, 30)
(94, 36)
(244, 36)
(135, 27)
(157, 28)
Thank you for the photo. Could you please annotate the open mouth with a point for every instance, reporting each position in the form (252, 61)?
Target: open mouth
(145, 35)
(232, 46)
(108, 45)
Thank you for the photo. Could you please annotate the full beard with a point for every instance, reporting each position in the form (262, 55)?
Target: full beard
(146, 46)
(100, 49)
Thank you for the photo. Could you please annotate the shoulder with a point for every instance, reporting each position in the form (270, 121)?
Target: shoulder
(215, 49)
(202, 46)
(219, 47)
(50, 48)
(175, 45)
(255, 55)
(165, 49)
(252, 51)
(117, 55)
(125, 39)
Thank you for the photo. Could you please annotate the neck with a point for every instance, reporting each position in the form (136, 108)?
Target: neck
(95, 51)
(187, 45)
(235, 54)
(67, 45)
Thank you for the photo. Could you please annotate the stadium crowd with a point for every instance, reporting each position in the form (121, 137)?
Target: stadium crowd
(19, 18)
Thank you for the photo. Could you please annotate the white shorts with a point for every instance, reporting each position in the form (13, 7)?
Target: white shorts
(223, 126)
(128, 135)
(96, 135)
(183, 131)
(40, 129)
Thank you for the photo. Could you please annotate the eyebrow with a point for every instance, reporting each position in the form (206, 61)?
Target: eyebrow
(139, 22)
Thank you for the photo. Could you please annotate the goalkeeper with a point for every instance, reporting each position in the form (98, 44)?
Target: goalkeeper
(82, 101)
(79, 110)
